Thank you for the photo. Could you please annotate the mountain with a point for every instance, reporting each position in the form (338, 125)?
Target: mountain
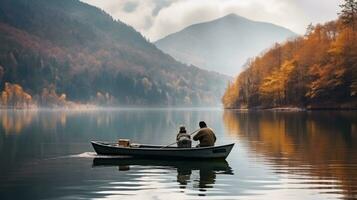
(77, 50)
(224, 44)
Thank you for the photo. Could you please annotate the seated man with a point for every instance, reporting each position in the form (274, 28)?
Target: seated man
(183, 139)
(205, 135)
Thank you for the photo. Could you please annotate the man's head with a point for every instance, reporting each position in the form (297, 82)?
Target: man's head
(202, 124)
(182, 129)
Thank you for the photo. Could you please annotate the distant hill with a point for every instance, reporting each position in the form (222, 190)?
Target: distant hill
(224, 44)
(69, 47)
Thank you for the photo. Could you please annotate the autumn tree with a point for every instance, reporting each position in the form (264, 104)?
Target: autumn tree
(13, 96)
(274, 87)
(316, 70)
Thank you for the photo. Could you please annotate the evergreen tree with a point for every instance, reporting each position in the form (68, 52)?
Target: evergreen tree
(348, 14)
(309, 30)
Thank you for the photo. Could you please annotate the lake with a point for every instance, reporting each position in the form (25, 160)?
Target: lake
(277, 155)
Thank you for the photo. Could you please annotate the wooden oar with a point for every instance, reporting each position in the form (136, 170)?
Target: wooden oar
(176, 141)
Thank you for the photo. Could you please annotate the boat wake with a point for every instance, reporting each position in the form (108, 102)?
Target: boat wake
(93, 155)
(84, 155)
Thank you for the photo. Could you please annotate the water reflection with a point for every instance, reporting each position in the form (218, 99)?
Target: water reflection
(303, 155)
(208, 170)
(47, 133)
(13, 122)
(314, 145)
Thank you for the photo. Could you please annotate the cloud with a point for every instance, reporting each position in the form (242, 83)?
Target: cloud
(158, 18)
(130, 6)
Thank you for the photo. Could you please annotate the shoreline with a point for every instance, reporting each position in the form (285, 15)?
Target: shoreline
(99, 108)
(294, 109)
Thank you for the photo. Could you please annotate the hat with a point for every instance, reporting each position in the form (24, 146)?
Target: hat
(182, 129)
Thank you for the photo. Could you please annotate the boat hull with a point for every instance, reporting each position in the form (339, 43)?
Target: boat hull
(162, 152)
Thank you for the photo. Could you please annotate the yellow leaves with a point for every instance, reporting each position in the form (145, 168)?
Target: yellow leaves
(50, 98)
(338, 47)
(231, 94)
(4, 98)
(270, 84)
(327, 78)
(62, 97)
(14, 96)
(274, 85)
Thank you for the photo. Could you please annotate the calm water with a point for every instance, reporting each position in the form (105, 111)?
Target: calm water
(299, 155)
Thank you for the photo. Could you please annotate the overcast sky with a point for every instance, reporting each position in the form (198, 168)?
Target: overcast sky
(157, 18)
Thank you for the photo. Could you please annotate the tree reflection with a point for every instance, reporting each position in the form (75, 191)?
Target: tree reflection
(13, 122)
(321, 145)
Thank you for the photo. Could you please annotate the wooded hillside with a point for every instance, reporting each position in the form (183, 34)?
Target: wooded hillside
(78, 50)
(317, 70)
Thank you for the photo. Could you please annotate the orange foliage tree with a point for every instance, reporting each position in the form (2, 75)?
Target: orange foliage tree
(316, 70)
(13, 96)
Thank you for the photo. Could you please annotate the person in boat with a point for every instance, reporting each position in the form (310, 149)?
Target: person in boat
(183, 139)
(205, 135)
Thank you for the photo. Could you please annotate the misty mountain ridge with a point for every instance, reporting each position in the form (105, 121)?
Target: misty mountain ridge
(223, 44)
(72, 48)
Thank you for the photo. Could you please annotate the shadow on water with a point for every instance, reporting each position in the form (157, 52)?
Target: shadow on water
(208, 169)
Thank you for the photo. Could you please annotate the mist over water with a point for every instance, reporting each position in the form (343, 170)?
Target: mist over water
(297, 155)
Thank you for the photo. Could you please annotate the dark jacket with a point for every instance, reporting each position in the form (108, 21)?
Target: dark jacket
(206, 137)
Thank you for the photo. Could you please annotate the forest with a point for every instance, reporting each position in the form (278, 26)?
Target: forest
(61, 51)
(314, 71)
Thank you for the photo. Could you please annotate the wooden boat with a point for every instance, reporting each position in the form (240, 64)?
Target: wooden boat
(163, 152)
